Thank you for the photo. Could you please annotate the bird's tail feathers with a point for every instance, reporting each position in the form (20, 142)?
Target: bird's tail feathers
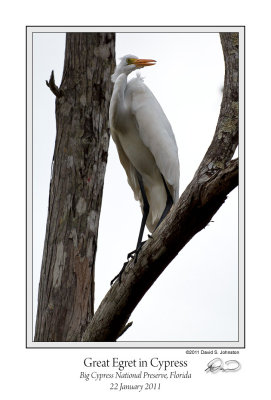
(157, 199)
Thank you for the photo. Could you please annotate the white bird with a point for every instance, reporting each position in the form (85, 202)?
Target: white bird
(146, 144)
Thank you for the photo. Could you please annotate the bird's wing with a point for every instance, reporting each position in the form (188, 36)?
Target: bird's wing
(128, 166)
(155, 131)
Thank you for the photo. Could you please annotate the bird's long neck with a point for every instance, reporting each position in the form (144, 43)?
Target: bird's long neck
(117, 100)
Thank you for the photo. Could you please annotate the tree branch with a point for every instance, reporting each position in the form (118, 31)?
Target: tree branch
(124, 329)
(54, 88)
(216, 176)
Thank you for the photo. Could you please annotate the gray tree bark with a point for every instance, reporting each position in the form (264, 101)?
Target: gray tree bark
(66, 290)
(216, 176)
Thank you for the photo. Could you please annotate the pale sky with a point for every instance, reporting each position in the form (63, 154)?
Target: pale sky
(196, 298)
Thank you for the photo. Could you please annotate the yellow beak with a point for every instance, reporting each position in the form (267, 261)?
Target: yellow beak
(141, 62)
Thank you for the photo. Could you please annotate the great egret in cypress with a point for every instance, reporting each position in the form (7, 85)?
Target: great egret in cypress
(146, 145)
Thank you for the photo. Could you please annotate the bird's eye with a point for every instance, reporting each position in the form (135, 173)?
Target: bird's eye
(130, 60)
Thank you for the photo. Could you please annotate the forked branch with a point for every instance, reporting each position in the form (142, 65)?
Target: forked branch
(52, 85)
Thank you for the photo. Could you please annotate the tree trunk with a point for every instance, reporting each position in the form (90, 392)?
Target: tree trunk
(66, 290)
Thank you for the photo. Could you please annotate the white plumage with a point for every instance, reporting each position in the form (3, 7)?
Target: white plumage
(144, 140)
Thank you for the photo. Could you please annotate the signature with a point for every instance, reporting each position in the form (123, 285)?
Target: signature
(218, 365)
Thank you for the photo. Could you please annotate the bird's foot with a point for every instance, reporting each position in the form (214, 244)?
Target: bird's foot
(134, 254)
(118, 277)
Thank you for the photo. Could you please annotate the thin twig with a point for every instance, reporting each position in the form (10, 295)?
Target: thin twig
(51, 84)
(124, 329)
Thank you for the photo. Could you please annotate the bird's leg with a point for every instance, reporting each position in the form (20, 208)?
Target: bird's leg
(168, 206)
(146, 209)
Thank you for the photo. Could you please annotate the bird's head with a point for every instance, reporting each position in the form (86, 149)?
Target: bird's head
(130, 63)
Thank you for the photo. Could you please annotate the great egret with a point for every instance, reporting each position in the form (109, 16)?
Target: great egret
(146, 145)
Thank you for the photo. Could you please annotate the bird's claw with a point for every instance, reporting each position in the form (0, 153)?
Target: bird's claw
(118, 277)
(132, 255)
